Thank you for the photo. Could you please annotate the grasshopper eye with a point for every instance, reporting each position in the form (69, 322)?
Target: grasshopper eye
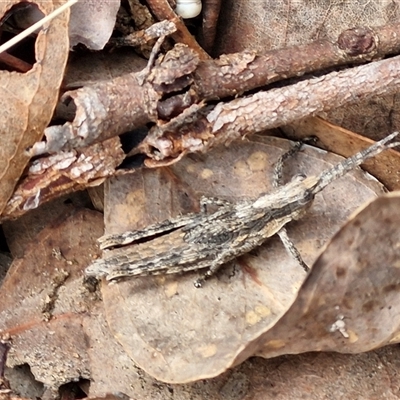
(188, 8)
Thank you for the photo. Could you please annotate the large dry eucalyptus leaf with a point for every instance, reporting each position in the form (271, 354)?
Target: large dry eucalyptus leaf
(43, 304)
(178, 333)
(27, 100)
(350, 301)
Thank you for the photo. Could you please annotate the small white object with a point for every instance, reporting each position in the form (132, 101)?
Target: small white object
(188, 8)
(339, 325)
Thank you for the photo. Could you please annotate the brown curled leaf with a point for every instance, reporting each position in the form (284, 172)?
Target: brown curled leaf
(22, 96)
(350, 302)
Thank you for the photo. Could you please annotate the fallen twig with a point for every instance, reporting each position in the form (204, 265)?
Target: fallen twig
(144, 36)
(234, 74)
(264, 110)
(110, 108)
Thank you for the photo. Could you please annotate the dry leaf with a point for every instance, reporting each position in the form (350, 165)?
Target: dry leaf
(75, 343)
(91, 68)
(314, 376)
(129, 197)
(160, 320)
(349, 303)
(258, 25)
(92, 22)
(20, 232)
(23, 96)
(346, 143)
(43, 303)
(5, 262)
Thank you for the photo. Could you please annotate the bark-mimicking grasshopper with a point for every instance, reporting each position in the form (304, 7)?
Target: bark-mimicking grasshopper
(202, 240)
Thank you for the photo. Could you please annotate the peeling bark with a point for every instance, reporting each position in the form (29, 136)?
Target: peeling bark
(51, 177)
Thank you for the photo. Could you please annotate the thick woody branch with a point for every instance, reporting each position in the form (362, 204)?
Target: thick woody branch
(110, 108)
(237, 73)
(270, 109)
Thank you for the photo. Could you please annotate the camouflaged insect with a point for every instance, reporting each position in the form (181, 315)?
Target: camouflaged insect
(202, 240)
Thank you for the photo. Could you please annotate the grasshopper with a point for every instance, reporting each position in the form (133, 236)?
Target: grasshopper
(208, 240)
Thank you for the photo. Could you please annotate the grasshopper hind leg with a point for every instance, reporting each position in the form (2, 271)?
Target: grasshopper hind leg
(292, 249)
(278, 181)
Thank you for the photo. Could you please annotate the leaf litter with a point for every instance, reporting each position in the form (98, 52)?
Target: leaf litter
(262, 305)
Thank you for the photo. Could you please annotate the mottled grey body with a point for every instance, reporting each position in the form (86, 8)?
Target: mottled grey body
(202, 240)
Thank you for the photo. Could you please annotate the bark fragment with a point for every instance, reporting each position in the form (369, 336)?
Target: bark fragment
(62, 173)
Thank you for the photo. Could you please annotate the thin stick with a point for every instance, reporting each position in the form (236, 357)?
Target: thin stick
(36, 26)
